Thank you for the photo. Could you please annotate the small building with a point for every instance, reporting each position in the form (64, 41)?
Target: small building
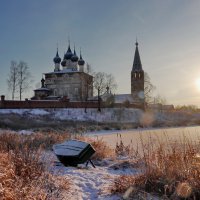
(159, 106)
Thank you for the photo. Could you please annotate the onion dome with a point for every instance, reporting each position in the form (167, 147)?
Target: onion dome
(68, 54)
(81, 61)
(63, 63)
(74, 58)
(57, 59)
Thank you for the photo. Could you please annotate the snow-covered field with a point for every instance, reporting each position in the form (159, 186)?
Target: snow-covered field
(110, 115)
(90, 183)
(106, 114)
(134, 136)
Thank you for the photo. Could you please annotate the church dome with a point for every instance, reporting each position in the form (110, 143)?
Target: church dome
(63, 63)
(68, 54)
(81, 61)
(57, 59)
(74, 58)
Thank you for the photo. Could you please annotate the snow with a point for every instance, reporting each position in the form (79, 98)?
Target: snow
(89, 183)
(75, 143)
(10, 111)
(121, 98)
(25, 132)
(135, 136)
(70, 148)
(42, 89)
(38, 112)
(112, 115)
(78, 114)
(66, 152)
(63, 71)
(24, 111)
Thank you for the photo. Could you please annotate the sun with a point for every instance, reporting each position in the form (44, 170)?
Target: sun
(197, 82)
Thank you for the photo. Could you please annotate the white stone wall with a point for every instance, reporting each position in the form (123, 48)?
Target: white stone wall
(74, 85)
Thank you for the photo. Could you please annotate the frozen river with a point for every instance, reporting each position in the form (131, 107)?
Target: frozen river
(135, 136)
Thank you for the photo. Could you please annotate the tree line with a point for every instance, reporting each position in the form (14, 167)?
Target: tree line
(19, 79)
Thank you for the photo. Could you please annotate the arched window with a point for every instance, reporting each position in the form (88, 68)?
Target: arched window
(55, 92)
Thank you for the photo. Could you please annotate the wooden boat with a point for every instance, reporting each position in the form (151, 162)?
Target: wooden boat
(73, 152)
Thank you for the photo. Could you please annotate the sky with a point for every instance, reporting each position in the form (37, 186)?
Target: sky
(168, 33)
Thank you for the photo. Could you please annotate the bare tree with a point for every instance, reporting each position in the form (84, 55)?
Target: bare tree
(110, 82)
(148, 89)
(159, 100)
(100, 82)
(103, 80)
(89, 69)
(87, 89)
(24, 78)
(13, 78)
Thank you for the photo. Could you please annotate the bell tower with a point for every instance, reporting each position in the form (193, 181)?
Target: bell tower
(137, 78)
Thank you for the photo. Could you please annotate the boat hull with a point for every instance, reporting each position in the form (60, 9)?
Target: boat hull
(73, 152)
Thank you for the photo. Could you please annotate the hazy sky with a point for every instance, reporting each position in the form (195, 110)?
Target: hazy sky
(168, 33)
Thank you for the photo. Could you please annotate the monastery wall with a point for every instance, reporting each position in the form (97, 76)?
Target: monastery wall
(13, 104)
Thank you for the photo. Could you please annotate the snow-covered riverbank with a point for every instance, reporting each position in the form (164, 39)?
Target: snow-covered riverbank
(118, 116)
(134, 136)
(88, 183)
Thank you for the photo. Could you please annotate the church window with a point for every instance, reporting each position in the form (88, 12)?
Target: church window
(66, 92)
(76, 91)
(55, 92)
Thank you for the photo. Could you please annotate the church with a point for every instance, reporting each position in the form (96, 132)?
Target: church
(136, 96)
(67, 80)
(70, 80)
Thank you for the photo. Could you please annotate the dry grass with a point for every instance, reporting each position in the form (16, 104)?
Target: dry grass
(24, 178)
(123, 150)
(11, 141)
(172, 170)
(22, 174)
(102, 149)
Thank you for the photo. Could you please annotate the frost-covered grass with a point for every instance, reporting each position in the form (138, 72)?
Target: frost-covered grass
(28, 172)
(171, 169)
(102, 149)
(155, 169)
(22, 173)
(13, 140)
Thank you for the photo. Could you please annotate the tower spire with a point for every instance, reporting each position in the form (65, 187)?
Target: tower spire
(137, 65)
(136, 42)
(74, 50)
(57, 55)
(57, 58)
(80, 53)
(81, 62)
(137, 78)
(68, 41)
